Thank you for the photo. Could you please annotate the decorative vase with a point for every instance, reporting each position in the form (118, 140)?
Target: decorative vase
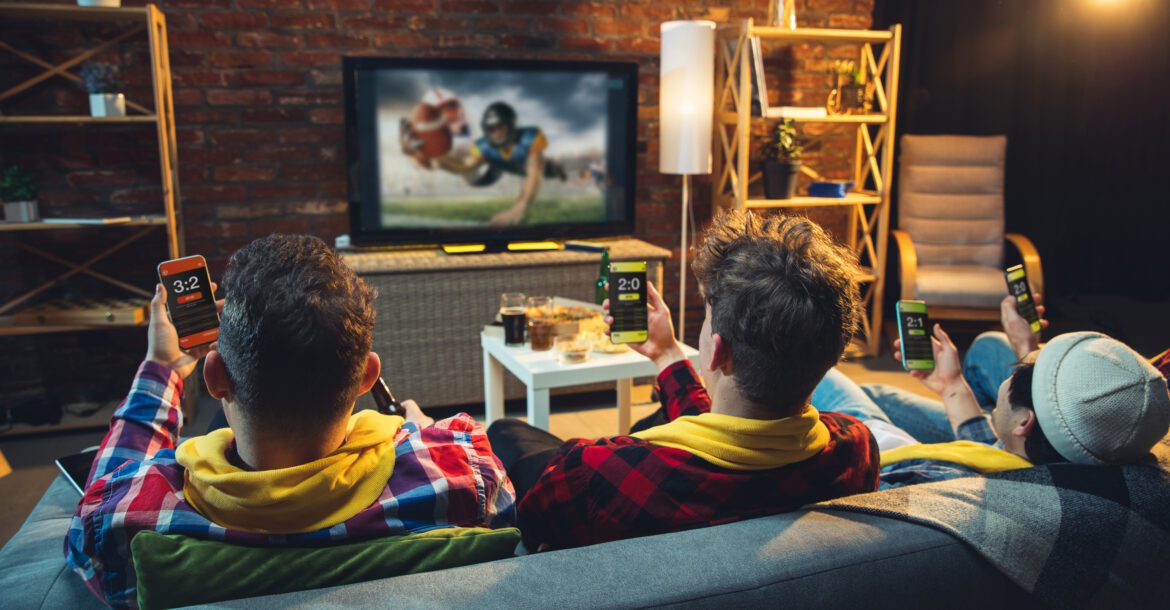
(102, 3)
(20, 211)
(780, 179)
(107, 104)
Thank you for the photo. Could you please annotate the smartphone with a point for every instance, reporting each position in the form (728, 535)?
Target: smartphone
(914, 333)
(1017, 283)
(76, 468)
(387, 404)
(189, 300)
(627, 302)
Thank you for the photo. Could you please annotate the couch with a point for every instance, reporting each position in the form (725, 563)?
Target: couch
(810, 558)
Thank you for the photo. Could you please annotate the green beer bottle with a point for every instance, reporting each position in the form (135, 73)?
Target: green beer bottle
(602, 293)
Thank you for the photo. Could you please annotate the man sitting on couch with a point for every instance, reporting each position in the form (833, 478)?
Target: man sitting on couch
(782, 303)
(1083, 398)
(295, 467)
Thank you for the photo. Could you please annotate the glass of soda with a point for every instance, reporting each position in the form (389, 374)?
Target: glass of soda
(513, 314)
(540, 323)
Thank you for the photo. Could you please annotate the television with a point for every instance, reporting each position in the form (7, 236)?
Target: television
(445, 151)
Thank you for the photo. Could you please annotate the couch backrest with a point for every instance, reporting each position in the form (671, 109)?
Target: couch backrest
(950, 198)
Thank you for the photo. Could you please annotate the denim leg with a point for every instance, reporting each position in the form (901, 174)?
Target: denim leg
(989, 361)
(925, 419)
(840, 394)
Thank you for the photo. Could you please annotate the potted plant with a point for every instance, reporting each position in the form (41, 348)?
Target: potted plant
(101, 81)
(850, 93)
(783, 164)
(18, 190)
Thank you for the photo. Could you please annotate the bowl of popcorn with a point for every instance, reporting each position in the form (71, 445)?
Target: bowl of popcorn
(573, 349)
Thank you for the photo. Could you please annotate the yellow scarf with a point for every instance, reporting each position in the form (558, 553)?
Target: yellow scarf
(738, 443)
(302, 498)
(981, 458)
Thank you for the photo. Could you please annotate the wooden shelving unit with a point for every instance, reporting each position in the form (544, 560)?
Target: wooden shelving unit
(868, 206)
(145, 20)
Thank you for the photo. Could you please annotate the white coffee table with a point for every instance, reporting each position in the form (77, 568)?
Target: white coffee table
(541, 372)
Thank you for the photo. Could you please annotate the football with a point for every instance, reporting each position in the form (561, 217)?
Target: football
(430, 133)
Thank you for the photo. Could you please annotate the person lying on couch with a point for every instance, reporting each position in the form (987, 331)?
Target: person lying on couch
(781, 305)
(295, 467)
(1083, 398)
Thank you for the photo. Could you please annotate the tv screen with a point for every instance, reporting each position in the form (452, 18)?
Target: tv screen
(461, 150)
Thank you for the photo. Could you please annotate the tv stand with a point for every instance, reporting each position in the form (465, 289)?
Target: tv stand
(432, 308)
(496, 247)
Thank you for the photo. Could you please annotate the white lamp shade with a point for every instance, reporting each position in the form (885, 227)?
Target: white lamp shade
(686, 96)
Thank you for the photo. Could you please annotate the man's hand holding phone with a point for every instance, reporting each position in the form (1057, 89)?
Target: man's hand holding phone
(660, 346)
(163, 340)
(1019, 331)
(948, 369)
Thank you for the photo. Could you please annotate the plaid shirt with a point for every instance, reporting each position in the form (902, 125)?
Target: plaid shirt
(444, 475)
(600, 490)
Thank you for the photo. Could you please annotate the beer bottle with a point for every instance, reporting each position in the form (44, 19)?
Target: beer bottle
(602, 293)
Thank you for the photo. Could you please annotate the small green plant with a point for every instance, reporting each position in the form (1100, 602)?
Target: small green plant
(787, 146)
(98, 77)
(849, 71)
(16, 185)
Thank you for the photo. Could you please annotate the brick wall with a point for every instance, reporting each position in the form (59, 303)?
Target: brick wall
(258, 103)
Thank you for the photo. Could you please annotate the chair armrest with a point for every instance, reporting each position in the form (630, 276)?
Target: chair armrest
(908, 267)
(1031, 258)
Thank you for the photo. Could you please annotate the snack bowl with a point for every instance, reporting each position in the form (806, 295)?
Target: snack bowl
(573, 349)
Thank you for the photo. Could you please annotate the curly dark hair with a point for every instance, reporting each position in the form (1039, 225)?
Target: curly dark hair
(296, 330)
(784, 296)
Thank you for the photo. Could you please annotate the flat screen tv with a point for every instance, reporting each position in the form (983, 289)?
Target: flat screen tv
(445, 151)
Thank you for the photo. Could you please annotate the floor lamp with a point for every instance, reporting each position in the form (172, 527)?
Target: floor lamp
(685, 99)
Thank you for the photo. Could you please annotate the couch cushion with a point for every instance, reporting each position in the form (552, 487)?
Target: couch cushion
(32, 564)
(176, 570)
(961, 286)
(795, 560)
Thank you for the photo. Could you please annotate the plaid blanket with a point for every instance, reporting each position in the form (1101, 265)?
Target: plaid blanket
(1072, 535)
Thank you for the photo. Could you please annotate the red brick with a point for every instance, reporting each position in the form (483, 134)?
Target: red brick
(274, 115)
(850, 21)
(210, 156)
(217, 193)
(311, 58)
(216, 229)
(327, 77)
(285, 4)
(197, 39)
(589, 9)
(519, 41)
(469, 6)
(137, 195)
(309, 135)
(268, 40)
(311, 173)
(192, 175)
(650, 13)
(309, 98)
(278, 154)
(272, 77)
(373, 22)
(340, 5)
(267, 227)
(467, 40)
(239, 97)
(187, 97)
(327, 116)
(200, 78)
(233, 21)
(91, 178)
(406, 6)
(337, 41)
(189, 137)
(585, 44)
(239, 59)
(303, 21)
(243, 209)
(241, 137)
(186, 116)
(648, 46)
(506, 23)
(244, 174)
(283, 191)
(569, 26)
(403, 40)
(318, 207)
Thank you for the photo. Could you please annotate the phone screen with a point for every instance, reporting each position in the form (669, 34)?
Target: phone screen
(1017, 282)
(914, 331)
(190, 301)
(627, 302)
(76, 468)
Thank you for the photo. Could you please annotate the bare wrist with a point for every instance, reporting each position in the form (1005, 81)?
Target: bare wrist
(668, 357)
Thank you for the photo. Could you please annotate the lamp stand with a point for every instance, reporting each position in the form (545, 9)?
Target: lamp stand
(682, 255)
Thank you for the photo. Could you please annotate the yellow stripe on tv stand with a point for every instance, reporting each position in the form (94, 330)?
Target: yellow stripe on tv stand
(522, 246)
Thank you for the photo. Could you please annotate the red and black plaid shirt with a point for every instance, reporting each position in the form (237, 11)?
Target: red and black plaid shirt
(612, 488)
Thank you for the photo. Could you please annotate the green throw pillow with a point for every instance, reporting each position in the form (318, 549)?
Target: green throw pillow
(175, 570)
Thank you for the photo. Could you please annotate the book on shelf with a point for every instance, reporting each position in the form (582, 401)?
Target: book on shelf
(797, 112)
(112, 220)
(758, 86)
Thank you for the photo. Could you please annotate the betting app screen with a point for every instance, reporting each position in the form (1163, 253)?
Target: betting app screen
(1017, 283)
(627, 302)
(913, 330)
(190, 301)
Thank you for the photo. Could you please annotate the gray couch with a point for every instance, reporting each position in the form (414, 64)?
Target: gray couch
(809, 558)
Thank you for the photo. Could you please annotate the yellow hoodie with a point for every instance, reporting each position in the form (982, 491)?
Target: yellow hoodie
(302, 498)
(739, 443)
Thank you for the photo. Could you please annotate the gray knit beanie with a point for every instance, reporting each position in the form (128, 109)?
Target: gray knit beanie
(1098, 401)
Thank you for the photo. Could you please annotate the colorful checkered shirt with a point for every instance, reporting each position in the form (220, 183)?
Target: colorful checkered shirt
(620, 487)
(444, 475)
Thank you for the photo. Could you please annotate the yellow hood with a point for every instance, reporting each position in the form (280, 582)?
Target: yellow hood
(739, 443)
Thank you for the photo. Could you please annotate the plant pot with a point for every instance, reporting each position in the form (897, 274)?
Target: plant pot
(20, 211)
(103, 3)
(780, 179)
(107, 104)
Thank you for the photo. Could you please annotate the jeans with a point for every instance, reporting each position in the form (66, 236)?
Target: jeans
(988, 363)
